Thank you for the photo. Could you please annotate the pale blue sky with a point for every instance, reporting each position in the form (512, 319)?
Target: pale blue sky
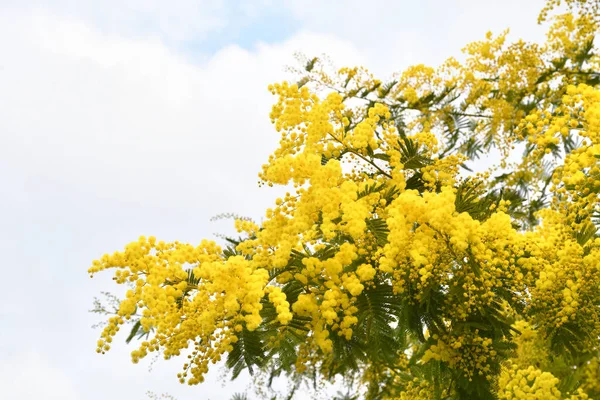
(127, 117)
(272, 25)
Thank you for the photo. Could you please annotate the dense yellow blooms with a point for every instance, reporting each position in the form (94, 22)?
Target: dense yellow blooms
(530, 384)
(488, 297)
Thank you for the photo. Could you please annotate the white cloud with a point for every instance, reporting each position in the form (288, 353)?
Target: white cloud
(172, 20)
(119, 116)
(28, 375)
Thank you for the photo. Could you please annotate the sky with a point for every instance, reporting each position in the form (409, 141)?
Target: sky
(121, 118)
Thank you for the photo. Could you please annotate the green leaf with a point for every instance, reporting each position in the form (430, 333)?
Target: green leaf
(311, 64)
(137, 332)
(468, 200)
(134, 330)
(585, 234)
(410, 156)
(247, 353)
(472, 148)
(385, 89)
(382, 156)
(370, 189)
(378, 227)
(416, 182)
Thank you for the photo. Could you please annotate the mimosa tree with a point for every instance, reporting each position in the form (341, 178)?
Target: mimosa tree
(388, 261)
